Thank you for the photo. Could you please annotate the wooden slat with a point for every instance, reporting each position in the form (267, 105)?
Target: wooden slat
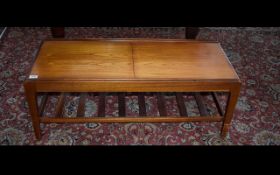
(218, 105)
(201, 106)
(181, 104)
(43, 104)
(141, 103)
(161, 104)
(81, 106)
(121, 104)
(101, 105)
(60, 105)
(131, 119)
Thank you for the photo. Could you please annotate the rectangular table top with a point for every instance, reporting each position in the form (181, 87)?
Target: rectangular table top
(132, 59)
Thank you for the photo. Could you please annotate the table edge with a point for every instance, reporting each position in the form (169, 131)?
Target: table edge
(131, 40)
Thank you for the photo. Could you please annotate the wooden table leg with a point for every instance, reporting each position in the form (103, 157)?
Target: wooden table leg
(232, 100)
(58, 32)
(191, 32)
(161, 104)
(31, 96)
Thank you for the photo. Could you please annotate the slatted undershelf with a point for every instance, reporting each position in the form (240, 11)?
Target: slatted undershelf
(58, 100)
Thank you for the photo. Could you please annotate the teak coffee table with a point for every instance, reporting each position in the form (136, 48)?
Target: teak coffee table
(132, 65)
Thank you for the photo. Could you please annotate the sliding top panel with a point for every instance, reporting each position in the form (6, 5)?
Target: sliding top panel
(83, 60)
(181, 61)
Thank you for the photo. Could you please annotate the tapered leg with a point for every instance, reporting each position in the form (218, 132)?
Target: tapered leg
(30, 92)
(232, 100)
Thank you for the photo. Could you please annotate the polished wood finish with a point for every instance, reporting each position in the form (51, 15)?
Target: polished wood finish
(132, 119)
(31, 97)
(43, 104)
(60, 105)
(78, 60)
(200, 104)
(133, 86)
(132, 60)
(132, 65)
(81, 106)
(194, 61)
(161, 104)
(232, 100)
(218, 105)
(181, 104)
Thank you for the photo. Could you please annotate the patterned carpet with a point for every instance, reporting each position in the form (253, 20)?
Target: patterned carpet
(254, 53)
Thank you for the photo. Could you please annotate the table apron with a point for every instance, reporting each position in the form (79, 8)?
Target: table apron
(133, 86)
